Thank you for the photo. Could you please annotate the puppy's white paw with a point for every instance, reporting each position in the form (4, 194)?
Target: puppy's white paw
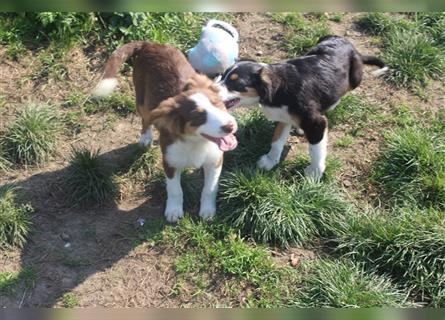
(299, 132)
(173, 211)
(314, 172)
(207, 210)
(146, 139)
(267, 163)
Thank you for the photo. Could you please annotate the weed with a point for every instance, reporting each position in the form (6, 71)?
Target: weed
(406, 243)
(340, 284)
(303, 33)
(273, 211)
(73, 122)
(412, 167)
(10, 280)
(121, 104)
(217, 251)
(254, 134)
(15, 220)
(32, 136)
(413, 59)
(337, 16)
(293, 169)
(351, 110)
(410, 48)
(5, 164)
(69, 300)
(344, 142)
(89, 179)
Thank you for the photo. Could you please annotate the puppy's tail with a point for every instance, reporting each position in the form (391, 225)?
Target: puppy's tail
(374, 61)
(116, 60)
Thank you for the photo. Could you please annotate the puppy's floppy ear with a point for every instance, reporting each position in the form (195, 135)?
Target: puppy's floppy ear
(167, 116)
(267, 86)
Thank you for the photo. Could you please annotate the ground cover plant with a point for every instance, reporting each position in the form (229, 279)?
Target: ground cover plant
(89, 179)
(83, 225)
(15, 219)
(411, 47)
(31, 138)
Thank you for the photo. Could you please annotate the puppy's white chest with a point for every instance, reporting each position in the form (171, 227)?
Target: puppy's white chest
(280, 114)
(183, 154)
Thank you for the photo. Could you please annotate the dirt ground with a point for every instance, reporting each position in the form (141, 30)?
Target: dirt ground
(102, 265)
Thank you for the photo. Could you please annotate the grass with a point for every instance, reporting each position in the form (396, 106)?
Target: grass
(213, 251)
(10, 280)
(69, 300)
(254, 134)
(303, 33)
(15, 220)
(353, 111)
(344, 142)
(119, 103)
(344, 284)
(89, 179)
(5, 164)
(32, 137)
(272, 210)
(411, 167)
(410, 47)
(406, 243)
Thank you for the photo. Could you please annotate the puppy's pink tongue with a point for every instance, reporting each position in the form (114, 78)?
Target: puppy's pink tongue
(227, 143)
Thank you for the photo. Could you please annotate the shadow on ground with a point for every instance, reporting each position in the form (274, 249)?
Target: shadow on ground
(69, 245)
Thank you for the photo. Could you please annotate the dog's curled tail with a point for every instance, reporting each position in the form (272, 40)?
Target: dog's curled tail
(116, 60)
(374, 61)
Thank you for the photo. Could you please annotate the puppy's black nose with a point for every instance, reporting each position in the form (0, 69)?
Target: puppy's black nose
(228, 128)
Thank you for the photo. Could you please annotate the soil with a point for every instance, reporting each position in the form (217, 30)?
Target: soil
(102, 265)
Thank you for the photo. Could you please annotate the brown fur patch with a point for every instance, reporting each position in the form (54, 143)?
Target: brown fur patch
(277, 131)
(250, 92)
(234, 76)
(219, 162)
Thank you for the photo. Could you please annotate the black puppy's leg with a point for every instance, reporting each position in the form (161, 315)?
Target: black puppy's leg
(316, 130)
(271, 159)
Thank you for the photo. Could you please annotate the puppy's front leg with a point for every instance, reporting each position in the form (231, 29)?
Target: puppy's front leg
(174, 210)
(270, 160)
(212, 171)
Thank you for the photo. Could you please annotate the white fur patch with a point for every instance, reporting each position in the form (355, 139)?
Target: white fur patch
(380, 72)
(146, 138)
(208, 196)
(105, 87)
(174, 208)
(318, 153)
(278, 114)
(270, 160)
(216, 118)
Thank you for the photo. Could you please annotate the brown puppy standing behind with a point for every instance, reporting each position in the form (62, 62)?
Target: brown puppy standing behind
(194, 125)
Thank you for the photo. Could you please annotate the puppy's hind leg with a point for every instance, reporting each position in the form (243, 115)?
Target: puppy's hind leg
(271, 159)
(146, 132)
(316, 132)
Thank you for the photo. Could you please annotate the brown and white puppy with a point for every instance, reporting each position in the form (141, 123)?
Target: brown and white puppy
(193, 123)
(297, 92)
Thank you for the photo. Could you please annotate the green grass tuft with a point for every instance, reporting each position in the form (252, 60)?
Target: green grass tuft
(413, 49)
(69, 300)
(407, 243)
(10, 280)
(15, 220)
(31, 138)
(210, 251)
(344, 284)
(411, 167)
(254, 135)
(119, 103)
(89, 179)
(303, 33)
(271, 210)
(353, 111)
(413, 59)
(5, 164)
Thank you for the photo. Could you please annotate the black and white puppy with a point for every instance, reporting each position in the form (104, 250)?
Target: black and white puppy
(296, 93)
